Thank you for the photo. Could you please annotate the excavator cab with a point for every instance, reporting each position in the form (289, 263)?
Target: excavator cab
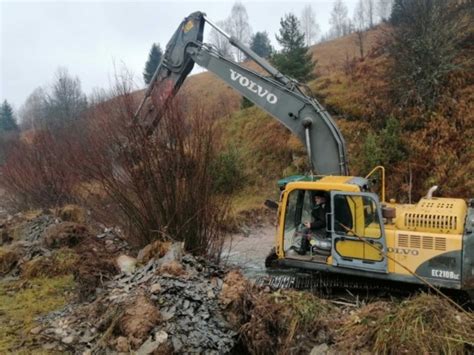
(353, 236)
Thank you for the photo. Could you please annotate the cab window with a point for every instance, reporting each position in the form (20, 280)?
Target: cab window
(356, 215)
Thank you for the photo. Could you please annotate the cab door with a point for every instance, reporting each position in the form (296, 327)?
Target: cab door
(357, 231)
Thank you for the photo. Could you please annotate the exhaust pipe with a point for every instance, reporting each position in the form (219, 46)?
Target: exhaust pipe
(432, 189)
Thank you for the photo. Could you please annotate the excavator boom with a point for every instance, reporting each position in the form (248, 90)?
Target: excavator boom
(276, 93)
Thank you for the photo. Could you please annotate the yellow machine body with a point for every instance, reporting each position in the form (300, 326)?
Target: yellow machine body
(428, 238)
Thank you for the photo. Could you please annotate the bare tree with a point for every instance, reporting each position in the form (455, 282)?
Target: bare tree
(220, 42)
(33, 112)
(66, 102)
(309, 26)
(360, 26)
(369, 6)
(239, 27)
(339, 21)
(384, 7)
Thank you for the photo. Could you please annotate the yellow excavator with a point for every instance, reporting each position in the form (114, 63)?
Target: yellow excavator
(364, 236)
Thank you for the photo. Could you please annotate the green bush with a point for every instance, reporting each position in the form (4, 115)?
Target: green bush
(385, 148)
(227, 171)
(372, 154)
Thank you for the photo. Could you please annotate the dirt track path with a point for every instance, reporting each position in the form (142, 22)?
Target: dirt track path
(249, 251)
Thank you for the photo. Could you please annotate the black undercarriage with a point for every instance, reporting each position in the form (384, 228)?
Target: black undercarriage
(330, 284)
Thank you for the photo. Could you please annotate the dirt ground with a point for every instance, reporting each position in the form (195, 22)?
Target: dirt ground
(249, 250)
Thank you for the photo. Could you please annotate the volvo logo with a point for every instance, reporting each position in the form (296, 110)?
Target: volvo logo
(403, 251)
(253, 87)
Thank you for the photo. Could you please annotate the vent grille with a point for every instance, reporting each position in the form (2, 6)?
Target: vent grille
(430, 204)
(403, 240)
(424, 220)
(415, 241)
(427, 242)
(440, 244)
(427, 204)
(421, 242)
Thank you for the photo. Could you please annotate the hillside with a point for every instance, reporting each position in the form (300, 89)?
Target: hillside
(357, 93)
(330, 56)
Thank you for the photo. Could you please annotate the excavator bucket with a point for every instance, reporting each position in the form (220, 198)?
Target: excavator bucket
(175, 66)
(177, 63)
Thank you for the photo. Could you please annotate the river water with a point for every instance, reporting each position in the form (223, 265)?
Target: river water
(248, 251)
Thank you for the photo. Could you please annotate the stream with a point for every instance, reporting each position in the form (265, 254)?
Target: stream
(248, 251)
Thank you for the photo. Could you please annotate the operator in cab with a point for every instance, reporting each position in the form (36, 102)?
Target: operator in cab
(314, 236)
(319, 211)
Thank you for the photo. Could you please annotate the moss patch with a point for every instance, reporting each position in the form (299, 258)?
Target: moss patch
(61, 262)
(21, 303)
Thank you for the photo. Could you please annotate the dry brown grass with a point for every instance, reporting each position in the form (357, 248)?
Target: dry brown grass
(156, 249)
(424, 324)
(65, 234)
(286, 322)
(139, 318)
(72, 213)
(332, 55)
(359, 329)
(172, 268)
(61, 262)
(236, 298)
(8, 259)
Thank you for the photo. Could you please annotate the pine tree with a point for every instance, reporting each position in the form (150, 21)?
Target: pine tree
(260, 44)
(7, 120)
(154, 59)
(294, 59)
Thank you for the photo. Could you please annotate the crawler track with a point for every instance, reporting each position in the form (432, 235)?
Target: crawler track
(326, 284)
(329, 283)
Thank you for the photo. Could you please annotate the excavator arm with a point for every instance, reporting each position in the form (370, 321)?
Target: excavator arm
(276, 93)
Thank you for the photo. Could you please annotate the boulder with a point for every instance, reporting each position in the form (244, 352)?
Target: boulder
(126, 264)
(153, 343)
(321, 349)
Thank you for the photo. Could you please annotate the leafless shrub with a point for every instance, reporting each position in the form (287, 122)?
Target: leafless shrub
(350, 65)
(160, 183)
(37, 171)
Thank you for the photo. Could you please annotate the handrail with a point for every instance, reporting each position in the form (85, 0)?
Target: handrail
(379, 167)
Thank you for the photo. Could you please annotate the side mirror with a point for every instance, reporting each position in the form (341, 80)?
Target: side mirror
(271, 204)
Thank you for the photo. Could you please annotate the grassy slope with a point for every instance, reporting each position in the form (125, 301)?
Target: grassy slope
(21, 302)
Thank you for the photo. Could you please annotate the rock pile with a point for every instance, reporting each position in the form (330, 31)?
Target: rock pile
(39, 234)
(168, 305)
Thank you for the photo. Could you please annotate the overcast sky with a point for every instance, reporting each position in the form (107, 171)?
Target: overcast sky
(91, 38)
